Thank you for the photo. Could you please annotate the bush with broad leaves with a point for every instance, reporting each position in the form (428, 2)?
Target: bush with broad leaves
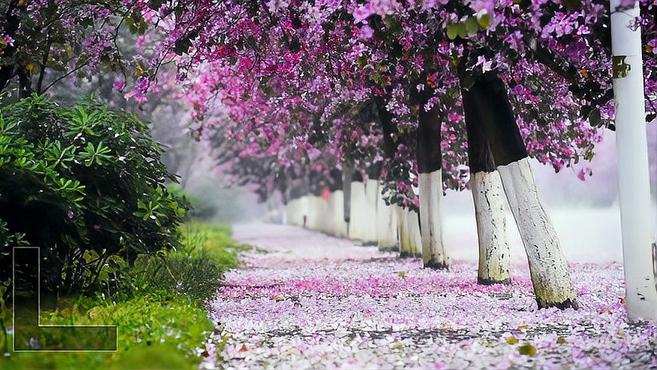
(85, 184)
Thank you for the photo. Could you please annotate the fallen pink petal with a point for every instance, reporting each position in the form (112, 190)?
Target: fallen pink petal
(307, 300)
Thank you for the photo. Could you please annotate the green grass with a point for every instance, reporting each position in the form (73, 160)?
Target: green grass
(161, 319)
(213, 239)
(154, 333)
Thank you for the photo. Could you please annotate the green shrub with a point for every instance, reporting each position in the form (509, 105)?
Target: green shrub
(86, 184)
(214, 240)
(194, 270)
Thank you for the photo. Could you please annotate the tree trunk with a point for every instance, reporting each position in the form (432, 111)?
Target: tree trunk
(414, 236)
(317, 213)
(386, 225)
(547, 264)
(490, 205)
(347, 174)
(362, 221)
(432, 245)
(297, 211)
(486, 103)
(371, 197)
(639, 248)
(494, 249)
(405, 248)
(429, 162)
(336, 207)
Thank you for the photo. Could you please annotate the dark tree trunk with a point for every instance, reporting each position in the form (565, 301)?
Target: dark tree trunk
(428, 152)
(486, 103)
(390, 132)
(347, 176)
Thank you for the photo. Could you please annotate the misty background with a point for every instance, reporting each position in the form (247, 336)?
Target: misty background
(585, 213)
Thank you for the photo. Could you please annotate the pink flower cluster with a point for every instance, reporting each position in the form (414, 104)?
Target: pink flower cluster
(282, 79)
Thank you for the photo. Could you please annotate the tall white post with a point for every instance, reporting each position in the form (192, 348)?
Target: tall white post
(633, 174)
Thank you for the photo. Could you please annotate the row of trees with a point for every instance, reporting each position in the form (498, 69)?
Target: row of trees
(404, 93)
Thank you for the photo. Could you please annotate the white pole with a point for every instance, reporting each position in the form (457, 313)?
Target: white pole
(633, 174)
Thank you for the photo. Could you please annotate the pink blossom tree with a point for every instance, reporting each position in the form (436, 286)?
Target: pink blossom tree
(291, 74)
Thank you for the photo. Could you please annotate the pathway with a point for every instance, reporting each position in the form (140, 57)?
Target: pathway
(306, 300)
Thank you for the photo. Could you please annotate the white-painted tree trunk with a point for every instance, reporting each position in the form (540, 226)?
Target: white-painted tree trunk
(320, 217)
(371, 197)
(433, 250)
(386, 225)
(405, 248)
(295, 211)
(311, 214)
(357, 208)
(314, 213)
(415, 239)
(633, 174)
(547, 263)
(336, 210)
(347, 174)
(289, 212)
(326, 223)
(362, 225)
(494, 249)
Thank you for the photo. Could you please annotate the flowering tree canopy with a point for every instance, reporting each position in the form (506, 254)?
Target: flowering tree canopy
(310, 85)
(45, 41)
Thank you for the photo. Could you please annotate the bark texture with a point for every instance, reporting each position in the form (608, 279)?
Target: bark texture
(490, 118)
(547, 263)
(494, 249)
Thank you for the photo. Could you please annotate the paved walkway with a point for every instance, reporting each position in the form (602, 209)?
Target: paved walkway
(306, 300)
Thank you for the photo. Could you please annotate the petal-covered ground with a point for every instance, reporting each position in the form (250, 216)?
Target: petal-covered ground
(307, 300)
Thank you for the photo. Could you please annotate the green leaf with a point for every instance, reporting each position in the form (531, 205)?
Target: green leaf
(484, 20)
(453, 92)
(452, 30)
(527, 349)
(96, 155)
(463, 33)
(155, 4)
(594, 118)
(182, 45)
(471, 26)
